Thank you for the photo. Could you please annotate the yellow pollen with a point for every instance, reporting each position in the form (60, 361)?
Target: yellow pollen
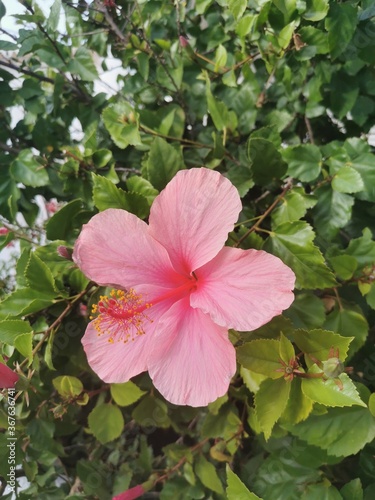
(120, 315)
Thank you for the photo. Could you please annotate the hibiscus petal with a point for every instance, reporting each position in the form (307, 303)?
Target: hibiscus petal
(117, 362)
(193, 215)
(192, 359)
(243, 289)
(114, 248)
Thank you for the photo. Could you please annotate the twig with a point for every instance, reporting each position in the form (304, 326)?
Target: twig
(266, 213)
(309, 130)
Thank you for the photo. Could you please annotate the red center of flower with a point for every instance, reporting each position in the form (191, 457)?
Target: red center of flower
(122, 314)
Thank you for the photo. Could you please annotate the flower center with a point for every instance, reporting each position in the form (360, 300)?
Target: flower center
(121, 315)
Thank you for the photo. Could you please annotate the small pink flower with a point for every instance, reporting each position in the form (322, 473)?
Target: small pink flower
(131, 494)
(3, 231)
(52, 206)
(8, 377)
(178, 289)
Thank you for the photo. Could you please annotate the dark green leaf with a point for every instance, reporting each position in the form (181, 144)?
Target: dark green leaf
(163, 163)
(266, 162)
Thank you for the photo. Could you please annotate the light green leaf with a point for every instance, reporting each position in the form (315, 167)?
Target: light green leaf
(298, 407)
(344, 266)
(286, 349)
(28, 170)
(236, 490)
(340, 24)
(217, 109)
(251, 379)
(340, 431)
(261, 356)
(106, 422)
(122, 122)
(292, 207)
(266, 162)
(137, 184)
(237, 7)
(371, 404)
(126, 394)
(54, 15)
(270, 403)
(286, 34)
(362, 248)
(316, 10)
(317, 343)
(293, 243)
(11, 328)
(24, 344)
(83, 65)
(347, 180)
(39, 277)
(207, 474)
(164, 161)
(68, 386)
(304, 161)
(328, 393)
(24, 301)
(352, 490)
(107, 195)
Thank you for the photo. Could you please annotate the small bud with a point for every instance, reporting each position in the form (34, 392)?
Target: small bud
(4, 231)
(183, 41)
(64, 252)
(333, 367)
(8, 377)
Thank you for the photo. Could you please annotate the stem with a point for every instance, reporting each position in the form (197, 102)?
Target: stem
(266, 213)
(54, 325)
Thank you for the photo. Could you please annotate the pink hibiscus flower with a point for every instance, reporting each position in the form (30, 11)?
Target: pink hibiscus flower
(177, 289)
(8, 377)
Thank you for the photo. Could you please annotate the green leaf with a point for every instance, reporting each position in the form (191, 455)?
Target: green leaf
(316, 10)
(299, 406)
(60, 225)
(122, 122)
(102, 157)
(321, 491)
(236, 490)
(362, 248)
(270, 403)
(292, 207)
(24, 344)
(24, 301)
(317, 343)
(151, 412)
(307, 311)
(126, 394)
(107, 195)
(266, 162)
(28, 170)
(54, 16)
(39, 277)
(82, 65)
(11, 328)
(365, 166)
(332, 212)
(293, 243)
(344, 266)
(240, 177)
(237, 7)
(217, 109)
(106, 422)
(68, 386)
(371, 404)
(328, 393)
(340, 431)
(352, 490)
(347, 180)
(207, 474)
(304, 162)
(261, 356)
(2, 9)
(349, 322)
(340, 24)
(164, 161)
(286, 349)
